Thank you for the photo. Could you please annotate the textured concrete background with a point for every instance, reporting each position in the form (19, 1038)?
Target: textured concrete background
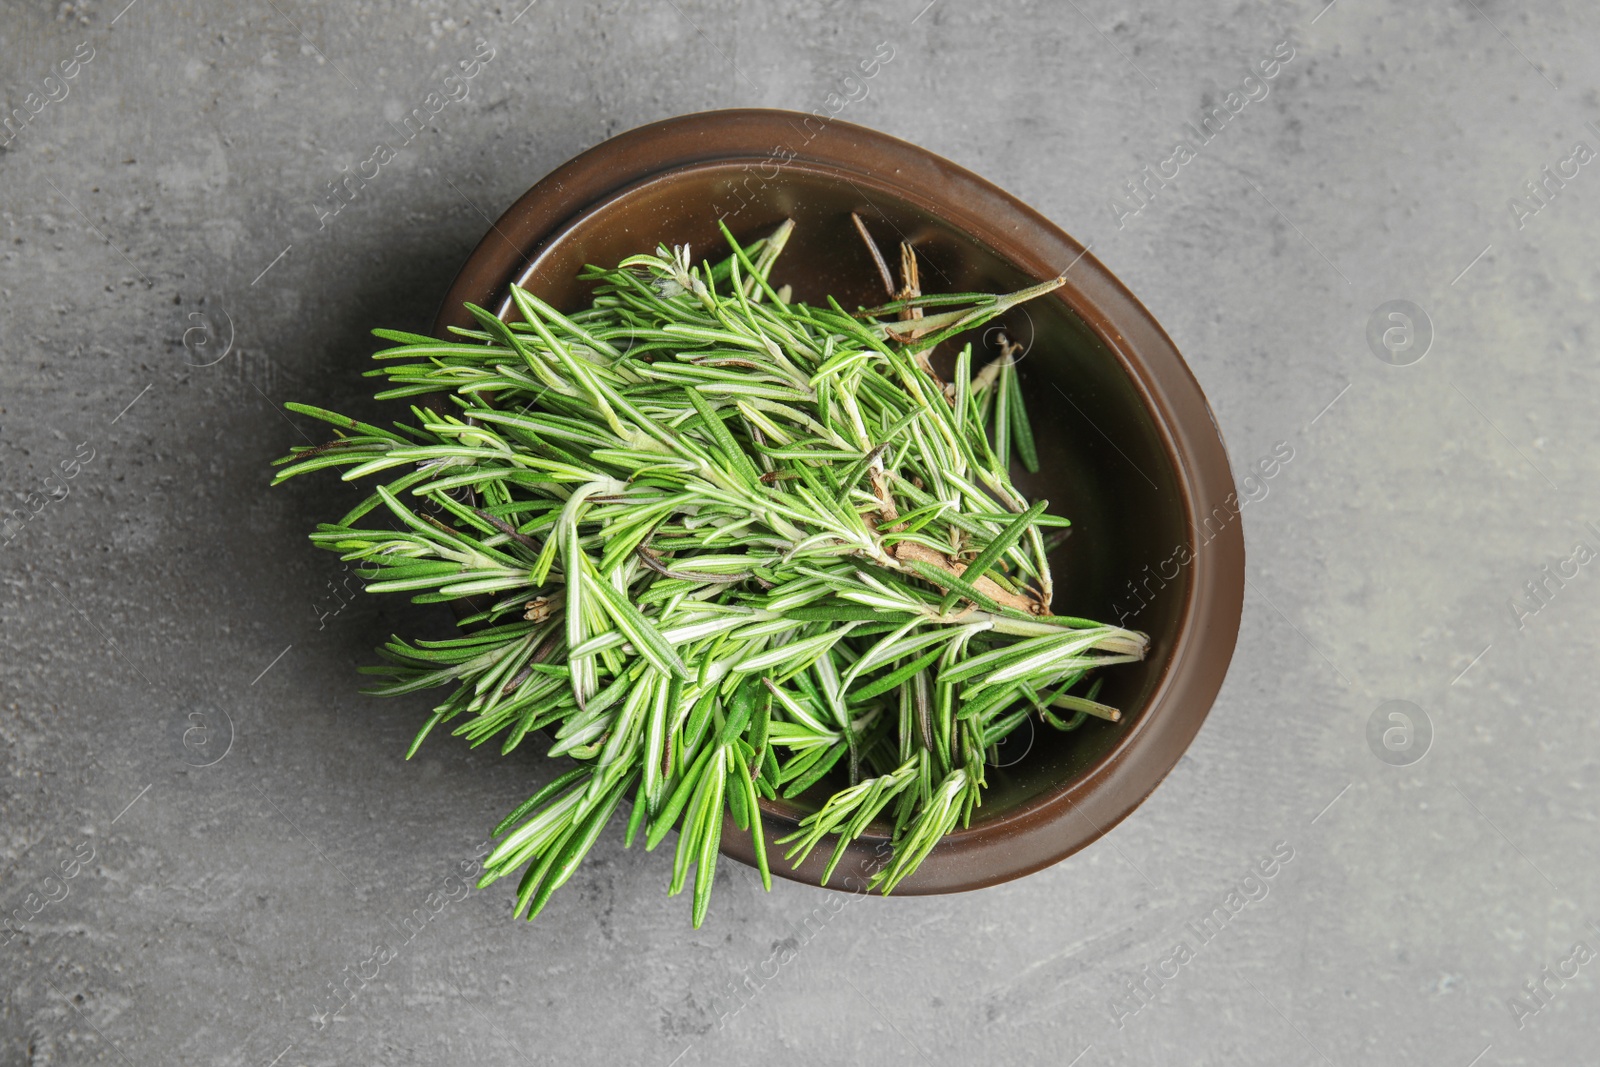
(164, 912)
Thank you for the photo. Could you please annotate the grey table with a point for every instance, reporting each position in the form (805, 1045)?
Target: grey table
(208, 841)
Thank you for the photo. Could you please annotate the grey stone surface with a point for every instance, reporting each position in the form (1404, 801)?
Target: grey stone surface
(167, 203)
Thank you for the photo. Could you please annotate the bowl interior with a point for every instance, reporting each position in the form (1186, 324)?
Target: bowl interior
(1104, 463)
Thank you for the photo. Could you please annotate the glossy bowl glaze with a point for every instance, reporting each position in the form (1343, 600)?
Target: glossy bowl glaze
(1129, 449)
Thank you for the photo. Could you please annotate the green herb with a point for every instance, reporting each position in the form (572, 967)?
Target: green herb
(721, 546)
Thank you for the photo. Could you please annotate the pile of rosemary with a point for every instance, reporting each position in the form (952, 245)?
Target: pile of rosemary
(721, 546)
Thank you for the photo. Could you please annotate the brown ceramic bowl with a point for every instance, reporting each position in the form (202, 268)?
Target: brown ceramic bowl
(1129, 449)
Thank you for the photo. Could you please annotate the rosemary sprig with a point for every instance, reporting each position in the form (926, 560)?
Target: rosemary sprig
(724, 547)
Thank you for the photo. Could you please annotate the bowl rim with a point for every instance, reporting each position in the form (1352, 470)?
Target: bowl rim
(1049, 827)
